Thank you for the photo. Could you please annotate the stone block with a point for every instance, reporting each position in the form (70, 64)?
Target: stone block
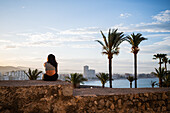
(164, 96)
(112, 107)
(102, 102)
(67, 91)
(163, 108)
(119, 103)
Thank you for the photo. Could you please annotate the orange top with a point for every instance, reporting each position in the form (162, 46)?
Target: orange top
(50, 72)
(50, 69)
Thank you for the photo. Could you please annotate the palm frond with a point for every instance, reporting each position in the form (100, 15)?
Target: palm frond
(104, 38)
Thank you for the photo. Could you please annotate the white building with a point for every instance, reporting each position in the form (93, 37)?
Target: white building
(89, 73)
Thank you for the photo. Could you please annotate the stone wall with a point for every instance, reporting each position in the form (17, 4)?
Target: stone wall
(60, 99)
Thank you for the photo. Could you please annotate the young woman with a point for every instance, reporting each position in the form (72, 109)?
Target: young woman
(51, 69)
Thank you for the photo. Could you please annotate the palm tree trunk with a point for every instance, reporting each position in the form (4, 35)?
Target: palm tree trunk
(102, 85)
(74, 85)
(160, 82)
(160, 63)
(165, 67)
(135, 67)
(130, 84)
(110, 72)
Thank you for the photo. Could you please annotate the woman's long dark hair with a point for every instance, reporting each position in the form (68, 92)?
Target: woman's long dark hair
(52, 61)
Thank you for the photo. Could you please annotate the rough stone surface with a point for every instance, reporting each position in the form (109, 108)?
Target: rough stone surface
(60, 97)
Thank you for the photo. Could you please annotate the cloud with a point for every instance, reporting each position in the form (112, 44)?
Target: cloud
(23, 7)
(125, 15)
(10, 46)
(144, 27)
(158, 47)
(163, 16)
(64, 38)
(82, 31)
(7, 44)
(162, 24)
(4, 41)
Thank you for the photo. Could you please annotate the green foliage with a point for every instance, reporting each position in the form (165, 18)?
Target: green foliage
(165, 60)
(135, 40)
(130, 78)
(111, 45)
(157, 56)
(153, 83)
(160, 74)
(160, 57)
(33, 75)
(75, 79)
(103, 77)
(166, 80)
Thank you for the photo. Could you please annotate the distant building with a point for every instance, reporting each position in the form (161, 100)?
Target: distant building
(63, 76)
(89, 73)
(128, 74)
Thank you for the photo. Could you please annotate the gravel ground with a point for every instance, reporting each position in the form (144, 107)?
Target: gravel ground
(30, 83)
(115, 91)
(83, 90)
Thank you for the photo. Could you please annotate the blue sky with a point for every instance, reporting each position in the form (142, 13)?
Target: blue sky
(32, 29)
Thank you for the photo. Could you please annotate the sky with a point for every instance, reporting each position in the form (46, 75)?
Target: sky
(30, 30)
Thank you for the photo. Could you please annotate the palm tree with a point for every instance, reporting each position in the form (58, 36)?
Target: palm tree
(160, 57)
(33, 75)
(153, 83)
(166, 79)
(135, 40)
(160, 74)
(75, 79)
(111, 47)
(165, 60)
(131, 79)
(103, 77)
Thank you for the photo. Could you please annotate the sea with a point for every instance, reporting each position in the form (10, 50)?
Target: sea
(124, 83)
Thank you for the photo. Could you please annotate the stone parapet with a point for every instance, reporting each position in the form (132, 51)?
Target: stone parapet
(60, 97)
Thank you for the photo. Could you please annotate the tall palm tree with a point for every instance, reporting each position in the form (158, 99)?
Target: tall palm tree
(135, 40)
(75, 79)
(33, 74)
(160, 57)
(160, 74)
(165, 61)
(103, 77)
(131, 79)
(111, 47)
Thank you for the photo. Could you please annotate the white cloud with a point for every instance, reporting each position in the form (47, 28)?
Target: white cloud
(5, 41)
(158, 47)
(10, 46)
(163, 16)
(125, 15)
(154, 27)
(82, 31)
(161, 25)
(59, 39)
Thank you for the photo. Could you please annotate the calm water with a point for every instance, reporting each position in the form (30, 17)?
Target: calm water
(124, 83)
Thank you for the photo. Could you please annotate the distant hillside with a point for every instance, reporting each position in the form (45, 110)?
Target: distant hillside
(4, 69)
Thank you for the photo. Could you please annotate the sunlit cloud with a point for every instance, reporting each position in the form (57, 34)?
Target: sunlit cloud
(161, 25)
(163, 16)
(82, 31)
